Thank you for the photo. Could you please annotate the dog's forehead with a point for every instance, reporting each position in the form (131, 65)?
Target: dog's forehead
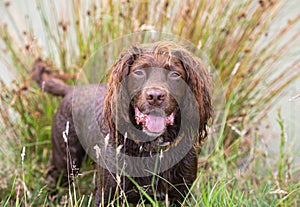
(157, 60)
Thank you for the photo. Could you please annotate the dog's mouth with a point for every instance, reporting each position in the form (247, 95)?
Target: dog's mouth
(154, 122)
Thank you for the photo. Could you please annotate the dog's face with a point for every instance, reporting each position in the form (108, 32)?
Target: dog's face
(161, 87)
(155, 85)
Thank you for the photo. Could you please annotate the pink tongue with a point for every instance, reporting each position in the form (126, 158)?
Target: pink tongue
(155, 124)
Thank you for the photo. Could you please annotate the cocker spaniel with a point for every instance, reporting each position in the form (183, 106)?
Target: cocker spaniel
(152, 112)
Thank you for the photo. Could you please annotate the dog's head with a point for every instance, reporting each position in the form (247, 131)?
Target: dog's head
(156, 81)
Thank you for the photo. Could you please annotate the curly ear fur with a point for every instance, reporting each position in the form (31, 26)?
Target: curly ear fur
(199, 81)
(119, 71)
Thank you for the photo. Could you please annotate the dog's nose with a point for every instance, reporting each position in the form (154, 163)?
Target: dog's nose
(155, 96)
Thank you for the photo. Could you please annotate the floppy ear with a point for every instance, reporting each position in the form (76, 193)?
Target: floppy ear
(199, 82)
(114, 104)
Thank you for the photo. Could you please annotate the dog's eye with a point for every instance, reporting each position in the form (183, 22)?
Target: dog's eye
(139, 72)
(175, 75)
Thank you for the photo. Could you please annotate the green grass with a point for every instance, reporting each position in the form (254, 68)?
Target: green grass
(253, 66)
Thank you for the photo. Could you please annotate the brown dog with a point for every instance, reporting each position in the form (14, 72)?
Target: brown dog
(152, 99)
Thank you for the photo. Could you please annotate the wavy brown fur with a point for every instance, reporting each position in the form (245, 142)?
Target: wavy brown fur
(174, 182)
(198, 79)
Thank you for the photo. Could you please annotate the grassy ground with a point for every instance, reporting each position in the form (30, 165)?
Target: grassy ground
(252, 66)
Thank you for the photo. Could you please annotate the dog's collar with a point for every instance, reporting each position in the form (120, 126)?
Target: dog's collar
(160, 145)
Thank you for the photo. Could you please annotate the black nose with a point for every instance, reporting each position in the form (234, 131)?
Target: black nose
(155, 96)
